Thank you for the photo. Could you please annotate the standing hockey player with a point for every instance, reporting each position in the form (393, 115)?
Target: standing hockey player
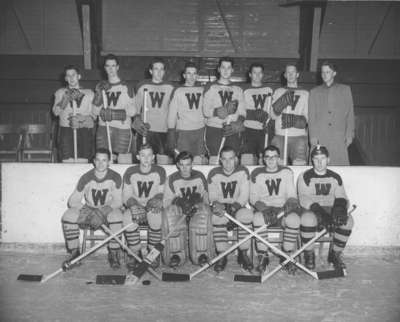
(257, 99)
(228, 187)
(151, 121)
(73, 106)
(186, 195)
(290, 112)
(322, 195)
(101, 190)
(331, 116)
(272, 191)
(115, 114)
(142, 194)
(224, 110)
(185, 116)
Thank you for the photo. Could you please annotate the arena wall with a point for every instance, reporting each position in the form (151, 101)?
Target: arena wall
(34, 196)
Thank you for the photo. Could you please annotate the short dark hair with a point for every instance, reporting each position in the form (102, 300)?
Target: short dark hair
(227, 148)
(256, 65)
(291, 64)
(190, 64)
(227, 59)
(103, 151)
(272, 148)
(329, 64)
(69, 67)
(111, 57)
(145, 146)
(184, 155)
(157, 60)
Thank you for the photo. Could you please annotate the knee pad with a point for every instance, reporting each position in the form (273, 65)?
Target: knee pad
(200, 235)
(258, 219)
(308, 219)
(248, 159)
(244, 215)
(163, 159)
(70, 216)
(154, 219)
(177, 242)
(291, 220)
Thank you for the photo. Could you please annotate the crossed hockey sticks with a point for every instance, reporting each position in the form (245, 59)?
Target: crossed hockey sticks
(68, 265)
(316, 275)
(173, 277)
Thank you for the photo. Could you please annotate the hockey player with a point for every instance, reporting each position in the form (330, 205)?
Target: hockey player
(185, 116)
(272, 191)
(257, 98)
(117, 112)
(96, 200)
(322, 195)
(142, 194)
(228, 187)
(290, 112)
(224, 111)
(186, 195)
(152, 123)
(73, 106)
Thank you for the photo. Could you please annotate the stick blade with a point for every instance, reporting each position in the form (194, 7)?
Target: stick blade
(331, 274)
(247, 278)
(110, 279)
(173, 277)
(29, 278)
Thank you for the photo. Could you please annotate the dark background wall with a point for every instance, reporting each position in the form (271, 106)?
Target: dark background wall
(39, 37)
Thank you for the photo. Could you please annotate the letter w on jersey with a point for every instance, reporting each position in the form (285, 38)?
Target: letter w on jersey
(156, 98)
(225, 96)
(273, 186)
(193, 100)
(322, 188)
(112, 98)
(188, 191)
(296, 99)
(259, 100)
(144, 188)
(99, 196)
(228, 188)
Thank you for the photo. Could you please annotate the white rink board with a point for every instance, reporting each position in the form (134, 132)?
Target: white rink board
(34, 197)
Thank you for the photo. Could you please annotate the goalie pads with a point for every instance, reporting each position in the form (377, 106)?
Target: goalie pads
(324, 218)
(292, 120)
(139, 126)
(108, 114)
(200, 234)
(339, 211)
(233, 128)
(287, 99)
(177, 243)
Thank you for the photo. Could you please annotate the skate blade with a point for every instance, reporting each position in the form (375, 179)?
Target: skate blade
(331, 274)
(247, 278)
(110, 279)
(174, 277)
(29, 278)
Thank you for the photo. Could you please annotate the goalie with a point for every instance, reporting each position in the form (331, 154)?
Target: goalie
(100, 188)
(186, 200)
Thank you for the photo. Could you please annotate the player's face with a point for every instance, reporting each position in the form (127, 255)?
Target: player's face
(146, 157)
(157, 72)
(225, 70)
(101, 162)
(185, 167)
(72, 78)
(228, 160)
(320, 163)
(327, 74)
(271, 159)
(190, 76)
(111, 67)
(291, 74)
(256, 75)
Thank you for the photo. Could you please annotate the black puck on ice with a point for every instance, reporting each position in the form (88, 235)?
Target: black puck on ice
(146, 282)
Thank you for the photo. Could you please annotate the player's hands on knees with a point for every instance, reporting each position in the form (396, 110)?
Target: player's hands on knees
(325, 219)
(339, 212)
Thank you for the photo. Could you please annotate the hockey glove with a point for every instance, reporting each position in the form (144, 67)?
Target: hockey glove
(221, 112)
(108, 114)
(233, 128)
(97, 219)
(139, 126)
(138, 215)
(339, 211)
(218, 208)
(270, 215)
(257, 115)
(155, 204)
(232, 106)
(185, 205)
(287, 99)
(292, 120)
(86, 121)
(74, 121)
(324, 219)
(291, 205)
(85, 214)
(232, 208)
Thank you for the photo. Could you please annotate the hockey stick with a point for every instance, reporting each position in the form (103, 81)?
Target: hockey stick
(173, 277)
(145, 93)
(74, 131)
(107, 125)
(68, 265)
(130, 252)
(269, 102)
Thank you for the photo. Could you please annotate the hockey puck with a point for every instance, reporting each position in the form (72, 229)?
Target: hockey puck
(146, 282)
